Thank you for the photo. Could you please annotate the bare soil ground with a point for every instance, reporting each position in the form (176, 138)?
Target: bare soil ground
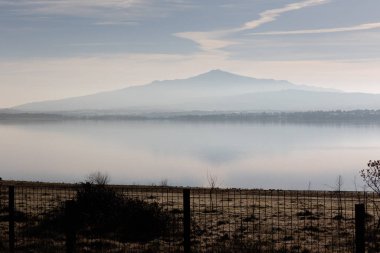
(223, 220)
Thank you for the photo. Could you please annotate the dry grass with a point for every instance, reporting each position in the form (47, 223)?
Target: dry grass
(231, 220)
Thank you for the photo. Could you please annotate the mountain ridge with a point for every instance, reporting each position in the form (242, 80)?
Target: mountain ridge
(215, 90)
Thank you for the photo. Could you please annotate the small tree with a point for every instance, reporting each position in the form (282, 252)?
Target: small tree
(371, 175)
(338, 191)
(98, 178)
(212, 182)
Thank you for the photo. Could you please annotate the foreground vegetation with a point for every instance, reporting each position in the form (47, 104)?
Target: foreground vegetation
(149, 219)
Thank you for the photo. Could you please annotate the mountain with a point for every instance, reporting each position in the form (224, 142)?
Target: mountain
(216, 91)
(290, 101)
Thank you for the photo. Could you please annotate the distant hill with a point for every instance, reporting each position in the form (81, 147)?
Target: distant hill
(212, 91)
(290, 100)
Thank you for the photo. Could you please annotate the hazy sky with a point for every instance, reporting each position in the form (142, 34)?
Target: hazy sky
(59, 48)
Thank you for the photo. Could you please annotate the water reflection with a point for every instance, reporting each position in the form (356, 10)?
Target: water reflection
(240, 154)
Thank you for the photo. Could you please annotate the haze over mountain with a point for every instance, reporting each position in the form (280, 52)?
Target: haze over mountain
(212, 91)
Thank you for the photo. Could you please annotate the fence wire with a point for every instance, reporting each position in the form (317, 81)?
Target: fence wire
(222, 220)
(3, 217)
(274, 221)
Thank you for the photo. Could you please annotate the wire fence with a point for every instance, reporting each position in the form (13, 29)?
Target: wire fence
(80, 218)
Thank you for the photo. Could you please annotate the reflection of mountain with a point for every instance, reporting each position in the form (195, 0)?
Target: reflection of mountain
(219, 156)
(214, 91)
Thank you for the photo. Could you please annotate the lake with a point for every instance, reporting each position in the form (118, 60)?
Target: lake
(248, 155)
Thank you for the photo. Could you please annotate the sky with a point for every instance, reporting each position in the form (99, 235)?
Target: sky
(51, 49)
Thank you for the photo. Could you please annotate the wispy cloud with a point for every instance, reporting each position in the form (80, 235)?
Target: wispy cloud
(54, 6)
(215, 40)
(208, 41)
(128, 23)
(95, 44)
(271, 15)
(108, 12)
(362, 27)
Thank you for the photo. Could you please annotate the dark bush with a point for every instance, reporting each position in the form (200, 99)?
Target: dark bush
(102, 212)
(18, 216)
(50, 226)
(140, 221)
(98, 207)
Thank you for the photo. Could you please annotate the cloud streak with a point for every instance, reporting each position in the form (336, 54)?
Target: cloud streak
(216, 40)
(63, 6)
(271, 15)
(362, 27)
(109, 12)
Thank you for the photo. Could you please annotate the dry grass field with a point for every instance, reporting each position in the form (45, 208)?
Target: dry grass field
(222, 220)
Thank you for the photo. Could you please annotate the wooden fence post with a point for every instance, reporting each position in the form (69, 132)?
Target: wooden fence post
(1, 208)
(186, 220)
(359, 228)
(11, 209)
(70, 226)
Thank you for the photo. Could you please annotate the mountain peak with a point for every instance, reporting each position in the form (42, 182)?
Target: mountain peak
(181, 94)
(218, 74)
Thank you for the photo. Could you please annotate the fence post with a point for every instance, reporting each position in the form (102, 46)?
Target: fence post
(70, 226)
(359, 228)
(186, 220)
(11, 209)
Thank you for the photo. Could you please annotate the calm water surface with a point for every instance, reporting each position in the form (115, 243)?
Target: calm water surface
(252, 155)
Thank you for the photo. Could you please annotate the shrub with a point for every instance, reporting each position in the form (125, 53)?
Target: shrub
(98, 178)
(371, 175)
(140, 221)
(102, 212)
(98, 206)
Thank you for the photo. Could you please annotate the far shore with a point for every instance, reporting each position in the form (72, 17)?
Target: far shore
(298, 117)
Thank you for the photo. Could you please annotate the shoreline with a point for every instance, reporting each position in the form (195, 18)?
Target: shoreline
(36, 184)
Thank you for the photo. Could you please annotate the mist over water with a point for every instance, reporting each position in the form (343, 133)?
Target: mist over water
(241, 155)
